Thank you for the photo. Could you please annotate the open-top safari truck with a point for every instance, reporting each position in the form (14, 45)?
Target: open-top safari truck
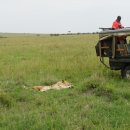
(115, 44)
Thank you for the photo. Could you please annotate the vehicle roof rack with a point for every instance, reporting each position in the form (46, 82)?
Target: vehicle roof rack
(104, 29)
(122, 30)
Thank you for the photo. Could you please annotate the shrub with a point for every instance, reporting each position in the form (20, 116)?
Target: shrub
(6, 100)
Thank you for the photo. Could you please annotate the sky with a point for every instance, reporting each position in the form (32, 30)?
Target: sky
(61, 16)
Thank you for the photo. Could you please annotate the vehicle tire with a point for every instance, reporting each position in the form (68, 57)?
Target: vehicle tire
(125, 73)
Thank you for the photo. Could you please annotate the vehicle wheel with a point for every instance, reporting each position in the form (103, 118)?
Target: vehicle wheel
(125, 73)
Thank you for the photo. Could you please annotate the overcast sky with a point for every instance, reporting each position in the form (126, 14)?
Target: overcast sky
(61, 16)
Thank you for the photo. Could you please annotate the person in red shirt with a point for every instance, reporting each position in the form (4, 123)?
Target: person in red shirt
(120, 40)
(117, 24)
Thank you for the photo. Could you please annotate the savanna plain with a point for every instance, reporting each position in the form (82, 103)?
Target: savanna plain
(98, 100)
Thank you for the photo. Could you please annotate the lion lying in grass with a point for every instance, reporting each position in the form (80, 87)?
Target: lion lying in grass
(59, 85)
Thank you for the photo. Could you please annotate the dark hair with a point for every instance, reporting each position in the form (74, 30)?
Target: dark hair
(118, 18)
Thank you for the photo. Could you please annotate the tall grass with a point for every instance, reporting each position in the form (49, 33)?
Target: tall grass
(99, 99)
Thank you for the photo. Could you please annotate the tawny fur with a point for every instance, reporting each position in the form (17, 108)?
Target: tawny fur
(59, 85)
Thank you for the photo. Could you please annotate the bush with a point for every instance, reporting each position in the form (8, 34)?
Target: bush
(6, 100)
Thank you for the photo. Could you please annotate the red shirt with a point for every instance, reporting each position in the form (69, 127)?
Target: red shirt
(116, 25)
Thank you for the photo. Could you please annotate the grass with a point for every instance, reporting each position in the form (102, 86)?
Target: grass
(99, 100)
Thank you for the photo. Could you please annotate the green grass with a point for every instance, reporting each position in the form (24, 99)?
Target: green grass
(99, 99)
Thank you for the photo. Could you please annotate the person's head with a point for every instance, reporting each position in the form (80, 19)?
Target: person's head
(118, 18)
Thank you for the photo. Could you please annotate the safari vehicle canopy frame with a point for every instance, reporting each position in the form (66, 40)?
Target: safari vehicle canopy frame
(114, 45)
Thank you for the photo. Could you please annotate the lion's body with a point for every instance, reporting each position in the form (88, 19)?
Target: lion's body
(59, 85)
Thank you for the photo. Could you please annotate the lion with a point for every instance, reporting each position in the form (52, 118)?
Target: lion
(57, 86)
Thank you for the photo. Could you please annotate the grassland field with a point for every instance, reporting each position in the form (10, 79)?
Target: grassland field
(99, 99)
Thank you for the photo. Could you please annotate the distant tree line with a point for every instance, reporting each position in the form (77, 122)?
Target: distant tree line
(73, 34)
(3, 37)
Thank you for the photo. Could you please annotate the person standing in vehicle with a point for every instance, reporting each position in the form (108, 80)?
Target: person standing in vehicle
(117, 23)
(120, 40)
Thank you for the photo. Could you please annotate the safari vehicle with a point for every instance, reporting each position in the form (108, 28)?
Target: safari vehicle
(115, 45)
